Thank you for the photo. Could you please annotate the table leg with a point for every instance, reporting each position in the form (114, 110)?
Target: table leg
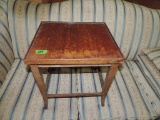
(40, 82)
(108, 81)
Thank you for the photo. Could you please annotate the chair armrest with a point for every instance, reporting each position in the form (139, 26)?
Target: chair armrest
(6, 52)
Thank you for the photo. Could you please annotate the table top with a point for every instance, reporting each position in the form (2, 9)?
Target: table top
(66, 43)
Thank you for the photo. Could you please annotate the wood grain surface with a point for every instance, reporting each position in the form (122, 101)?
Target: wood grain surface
(73, 43)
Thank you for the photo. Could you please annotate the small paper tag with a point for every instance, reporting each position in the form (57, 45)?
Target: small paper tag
(41, 51)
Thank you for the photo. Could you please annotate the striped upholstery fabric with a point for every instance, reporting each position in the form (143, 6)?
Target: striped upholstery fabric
(6, 52)
(130, 96)
(154, 55)
(133, 27)
(151, 73)
(20, 98)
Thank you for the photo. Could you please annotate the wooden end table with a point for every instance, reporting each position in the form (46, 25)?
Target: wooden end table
(64, 44)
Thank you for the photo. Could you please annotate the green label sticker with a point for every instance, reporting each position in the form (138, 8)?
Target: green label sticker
(41, 51)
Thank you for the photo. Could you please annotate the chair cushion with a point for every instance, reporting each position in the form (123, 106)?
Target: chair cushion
(154, 55)
(20, 97)
(130, 96)
(150, 72)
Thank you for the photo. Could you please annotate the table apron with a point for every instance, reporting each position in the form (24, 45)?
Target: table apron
(73, 65)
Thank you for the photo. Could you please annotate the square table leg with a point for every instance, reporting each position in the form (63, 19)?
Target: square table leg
(40, 82)
(108, 81)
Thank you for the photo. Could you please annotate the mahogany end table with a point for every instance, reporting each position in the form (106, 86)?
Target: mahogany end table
(67, 44)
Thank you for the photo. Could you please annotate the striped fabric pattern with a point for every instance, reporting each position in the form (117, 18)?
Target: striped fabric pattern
(127, 97)
(150, 97)
(135, 91)
(134, 27)
(154, 55)
(130, 96)
(20, 97)
(6, 52)
(151, 73)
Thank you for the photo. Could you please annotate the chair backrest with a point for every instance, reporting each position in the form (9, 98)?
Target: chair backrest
(134, 27)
